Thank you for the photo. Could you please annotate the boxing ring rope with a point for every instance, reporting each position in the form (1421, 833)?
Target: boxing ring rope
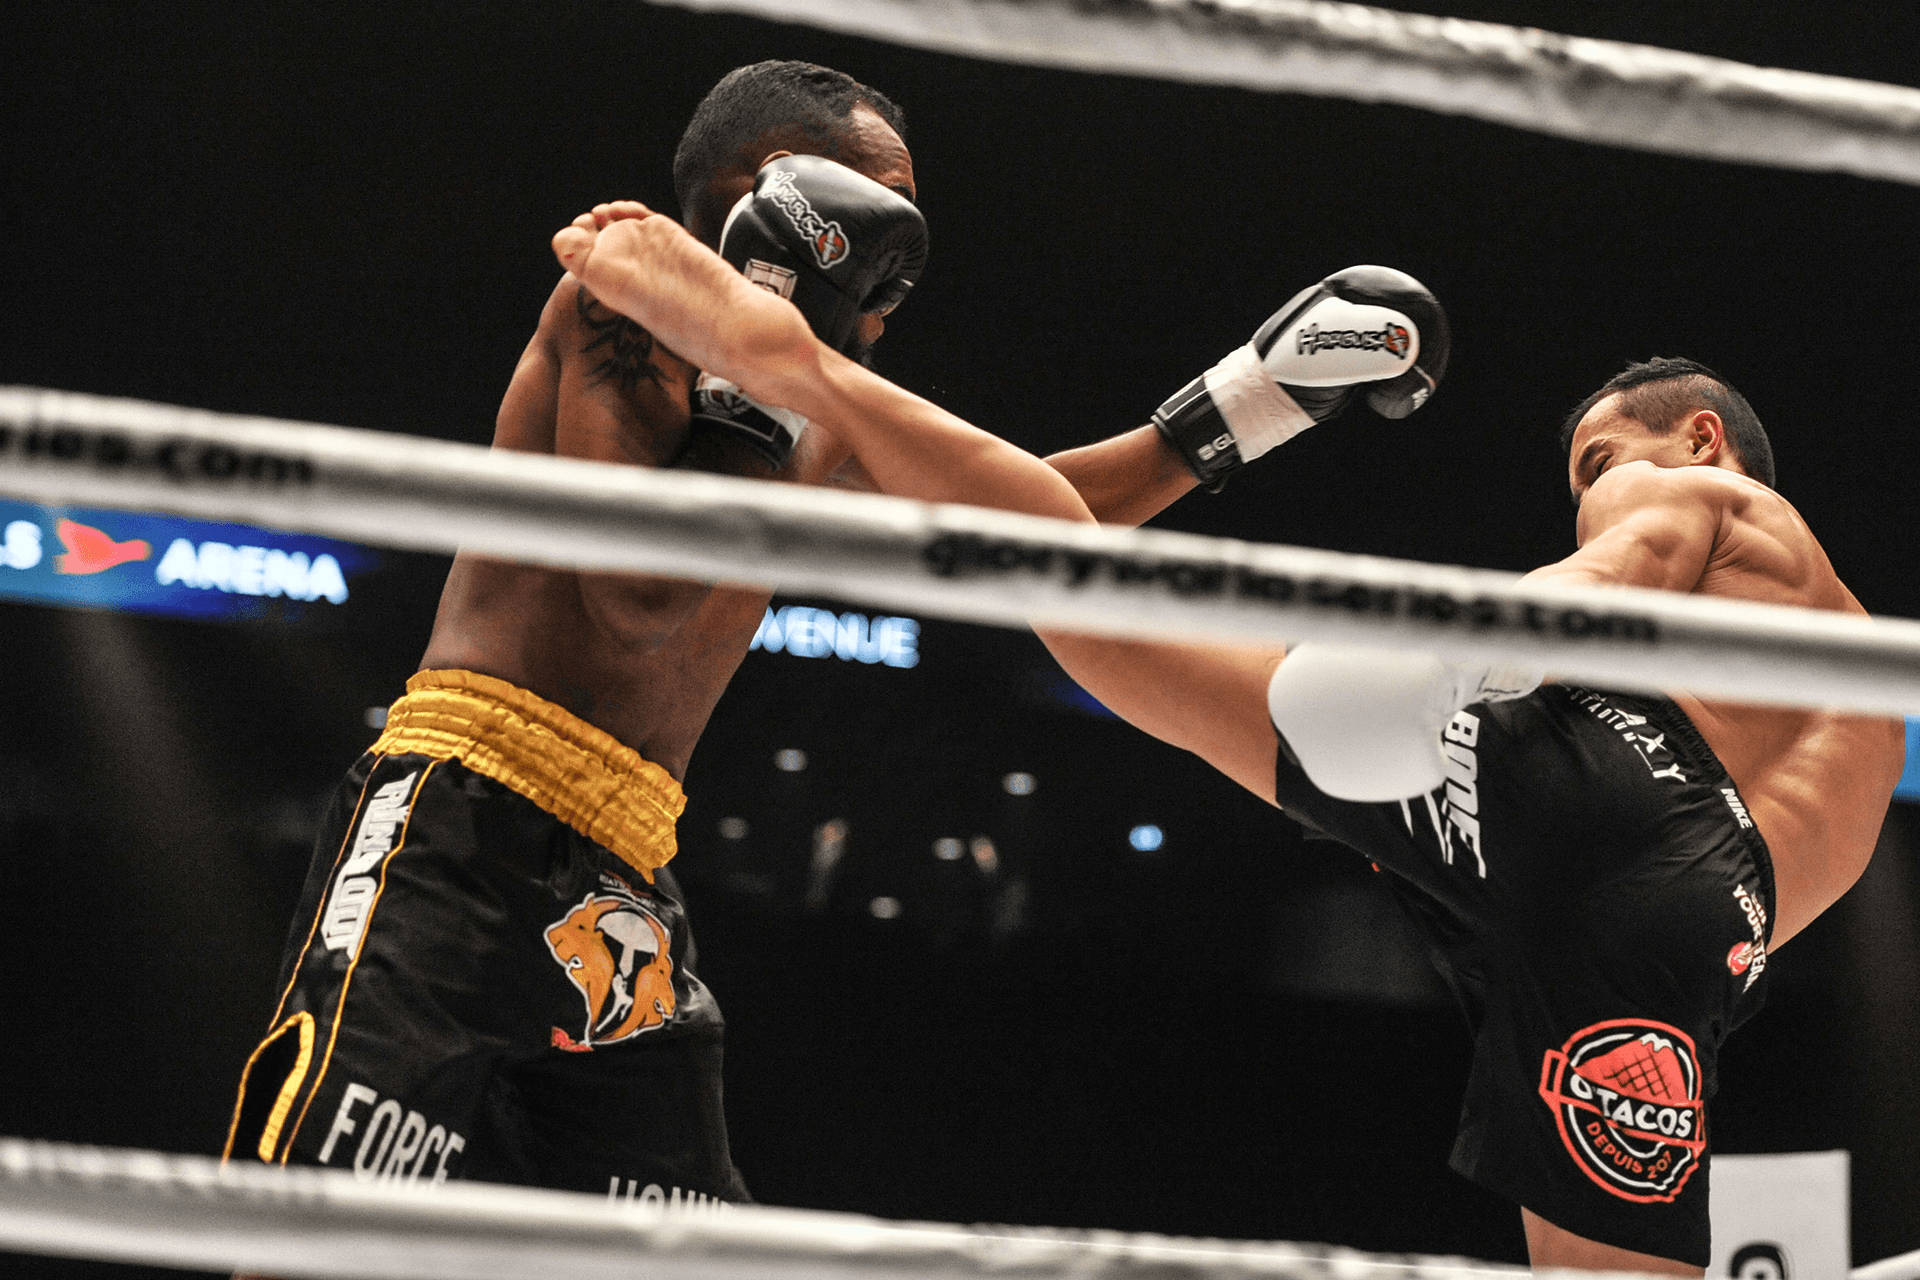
(191, 1211)
(1600, 91)
(1903, 1266)
(959, 562)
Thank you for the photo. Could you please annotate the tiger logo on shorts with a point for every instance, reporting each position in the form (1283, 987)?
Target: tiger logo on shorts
(615, 951)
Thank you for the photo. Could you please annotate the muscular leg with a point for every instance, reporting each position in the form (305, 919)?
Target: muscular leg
(1550, 1247)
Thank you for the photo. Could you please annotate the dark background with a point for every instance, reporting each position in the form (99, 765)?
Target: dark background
(341, 213)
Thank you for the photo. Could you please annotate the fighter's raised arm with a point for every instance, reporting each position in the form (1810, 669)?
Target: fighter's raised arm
(1205, 698)
(1365, 332)
(650, 269)
(1358, 332)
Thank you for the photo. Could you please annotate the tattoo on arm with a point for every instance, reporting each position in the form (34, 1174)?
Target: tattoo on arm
(625, 349)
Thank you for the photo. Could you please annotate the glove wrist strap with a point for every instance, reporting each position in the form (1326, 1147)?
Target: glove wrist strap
(1259, 412)
(1228, 416)
(769, 429)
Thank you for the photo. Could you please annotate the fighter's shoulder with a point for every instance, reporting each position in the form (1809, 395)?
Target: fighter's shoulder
(613, 347)
(571, 305)
(1640, 484)
(1645, 501)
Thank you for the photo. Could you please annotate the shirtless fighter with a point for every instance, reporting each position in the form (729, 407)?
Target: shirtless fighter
(1601, 876)
(490, 974)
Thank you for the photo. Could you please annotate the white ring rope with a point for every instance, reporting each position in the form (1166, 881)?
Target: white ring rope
(1599, 91)
(953, 561)
(191, 1211)
(1903, 1266)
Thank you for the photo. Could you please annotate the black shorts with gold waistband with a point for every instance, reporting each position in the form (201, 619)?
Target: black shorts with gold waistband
(490, 971)
(1593, 889)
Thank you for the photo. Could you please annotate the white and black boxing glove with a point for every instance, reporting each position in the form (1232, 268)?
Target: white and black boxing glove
(1367, 724)
(837, 245)
(1365, 328)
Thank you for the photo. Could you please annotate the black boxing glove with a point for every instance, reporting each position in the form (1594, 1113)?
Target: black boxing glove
(834, 242)
(837, 245)
(1365, 328)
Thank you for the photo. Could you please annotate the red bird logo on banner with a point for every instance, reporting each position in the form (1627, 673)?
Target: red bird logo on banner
(88, 550)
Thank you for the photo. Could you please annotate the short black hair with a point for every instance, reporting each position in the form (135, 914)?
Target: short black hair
(1661, 391)
(760, 102)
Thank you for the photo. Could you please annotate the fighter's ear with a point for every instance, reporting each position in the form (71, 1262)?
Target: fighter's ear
(1706, 436)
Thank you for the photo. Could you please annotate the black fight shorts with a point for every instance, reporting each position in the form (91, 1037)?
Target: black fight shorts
(1595, 893)
(490, 973)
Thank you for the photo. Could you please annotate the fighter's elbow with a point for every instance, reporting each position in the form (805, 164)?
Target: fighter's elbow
(1051, 494)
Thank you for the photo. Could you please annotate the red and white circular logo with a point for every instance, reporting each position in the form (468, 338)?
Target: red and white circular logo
(1626, 1096)
(1740, 959)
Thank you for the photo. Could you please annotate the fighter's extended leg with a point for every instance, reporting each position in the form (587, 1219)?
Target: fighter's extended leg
(690, 299)
(1551, 1248)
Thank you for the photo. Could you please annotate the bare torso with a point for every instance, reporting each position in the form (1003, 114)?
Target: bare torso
(1816, 782)
(644, 659)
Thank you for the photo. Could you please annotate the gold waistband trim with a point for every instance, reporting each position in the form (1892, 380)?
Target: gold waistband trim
(583, 776)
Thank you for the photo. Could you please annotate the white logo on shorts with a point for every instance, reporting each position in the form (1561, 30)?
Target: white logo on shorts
(345, 920)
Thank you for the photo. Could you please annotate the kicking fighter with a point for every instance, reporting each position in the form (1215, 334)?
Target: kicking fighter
(1602, 876)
